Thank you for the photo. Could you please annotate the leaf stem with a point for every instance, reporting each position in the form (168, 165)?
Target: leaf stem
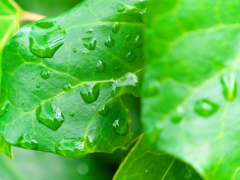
(30, 16)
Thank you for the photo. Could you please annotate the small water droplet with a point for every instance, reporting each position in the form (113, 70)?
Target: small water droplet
(120, 126)
(153, 88)
(4, 108)
(101, 66)
(72, 114)
(104, 110)
(121, 8)
(229, 84)
(178, 115)
(142, 14)
(138, 41)
(89, 43)
(116, 27)
(128, 37)
(205, 107)
(89, 31)
(74, 50)
(109, 42)
(45, 39)
(131, 56)
(82, 168)
(45, 74)
(146, 171)
(89, 92)
(50, 115)
(27, 142)
(67, 87)
(38, 86)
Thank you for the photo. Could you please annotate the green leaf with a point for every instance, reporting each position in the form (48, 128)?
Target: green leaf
(142, 163)
(8, 25)
(64, 76)
(191, 95)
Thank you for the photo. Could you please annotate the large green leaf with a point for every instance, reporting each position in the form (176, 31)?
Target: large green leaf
(191, 95)
(141, 163)
(64, 76)
(8, 25)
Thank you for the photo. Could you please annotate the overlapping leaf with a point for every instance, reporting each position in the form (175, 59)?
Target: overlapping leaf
(191, 87)
(63, 77)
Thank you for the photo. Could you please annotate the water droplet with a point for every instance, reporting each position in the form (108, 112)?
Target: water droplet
(138, 41)
(131, 56)
(153, 88)
(229, 84)
(27, 142)
(121, 8)
(120, 126)
(89, 31)
(45, 74)
(178, 115)
(74, 50)
(116, 27)
(205, 107)
(89, 43)
(104, 110)
(4, 108)
(101, 66)
(89, 92)
(109, 42)
(45, 39)
(142, 14)
(72, 114)
(50, 115)
(67, 87)
(82, 168)
(128, 37)
(38, 86)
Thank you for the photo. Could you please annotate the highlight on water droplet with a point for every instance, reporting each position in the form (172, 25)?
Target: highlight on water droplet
(89, 92)
(45, 39)
(121, 8)
(131, 56)
(104, 110)
(50, 115)
(45, 74)
(4, 108)
(109, 42)
(67, 87)
(116, 27)
(178, 115)
(120, 126)
(101, 66)
(27, 142)
(128, 37)
(74, 50)
(90, 43)
(138, 41)
(229, 84)
(205, 107)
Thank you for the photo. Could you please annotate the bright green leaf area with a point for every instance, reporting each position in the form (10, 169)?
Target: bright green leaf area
(63, 78)
(141, 163)
(190, 90)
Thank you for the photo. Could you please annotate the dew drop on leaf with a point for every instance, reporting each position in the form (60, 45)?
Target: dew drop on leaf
(116, 27)
(104, 110)
(89, 43)
(101, 66)
(27, 142)
(4, 108)
(229, 84)
(89, 31)
(138, 41)
(109, 42)
(67, 87)
(72, 114)
(74, 50)
(89, 92)
(45, 39)
(178, 115)
(153, 88)
(128, 37)
(121, 8)
(131, 56)
(120, 126)
(205, 107)
(142, 14)
(38, 86)
(50, 115)
(45, 74)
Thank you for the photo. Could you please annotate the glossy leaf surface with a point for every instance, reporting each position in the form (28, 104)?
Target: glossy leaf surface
(192, 75)
(141, 163)
(60, 101)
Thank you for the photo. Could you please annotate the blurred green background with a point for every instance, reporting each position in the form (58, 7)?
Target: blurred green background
(33, 165)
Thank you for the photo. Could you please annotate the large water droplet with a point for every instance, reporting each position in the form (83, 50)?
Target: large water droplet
(45, 39)
(89, 92)
(27, 142)
(131, 56)
(142, 14)
(67, 87)
(128, 37)
(138, 41)
(109, 42)
(104, 110)
(4, 108)
(205, 107)
(120, 126)
(50, 115)
(101, 66)
(229, 84)
(89, 43)
(116, 27)
(178, 115)
(121, 8)
(45, 74)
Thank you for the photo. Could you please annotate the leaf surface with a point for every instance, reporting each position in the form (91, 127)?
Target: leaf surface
(64, 76)
(191, 86)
